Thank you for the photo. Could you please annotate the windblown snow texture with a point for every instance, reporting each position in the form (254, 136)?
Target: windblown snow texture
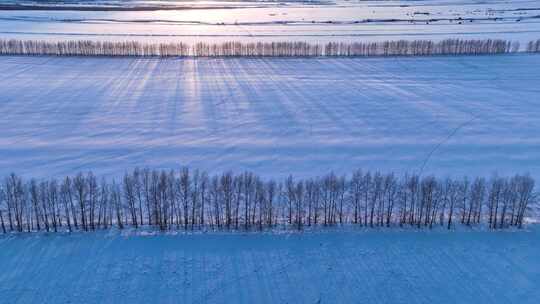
(316, 267)
(442, 115)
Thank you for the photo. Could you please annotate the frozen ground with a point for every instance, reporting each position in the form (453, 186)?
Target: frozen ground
(315, 21)
(441, 115)
(318, 267)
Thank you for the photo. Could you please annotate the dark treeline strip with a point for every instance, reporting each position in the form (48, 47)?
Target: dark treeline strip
(191, 200)
(533, 46)
(261, 49)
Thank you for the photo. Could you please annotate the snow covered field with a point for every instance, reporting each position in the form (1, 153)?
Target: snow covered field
(247, 21)
(443, 115)
(316, 267)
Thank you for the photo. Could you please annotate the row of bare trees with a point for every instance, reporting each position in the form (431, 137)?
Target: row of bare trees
(91, 48)
(533, 46)
(190, 200)
(261, 49)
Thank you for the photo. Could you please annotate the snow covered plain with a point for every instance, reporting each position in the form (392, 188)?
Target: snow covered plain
(315, 267)
(469, 115)
(247, 21)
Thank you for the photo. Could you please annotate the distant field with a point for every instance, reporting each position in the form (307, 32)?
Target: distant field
(314, 267)
(469, 115)
(252, 20)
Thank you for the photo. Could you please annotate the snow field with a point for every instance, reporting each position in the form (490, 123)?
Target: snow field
(254, 21)
(314, 267)
(469, 115)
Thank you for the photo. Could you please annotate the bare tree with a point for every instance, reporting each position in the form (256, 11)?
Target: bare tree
(195, 200)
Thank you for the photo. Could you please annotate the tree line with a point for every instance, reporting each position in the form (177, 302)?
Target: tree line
(262, 49)
(533, 46)
(191, 199)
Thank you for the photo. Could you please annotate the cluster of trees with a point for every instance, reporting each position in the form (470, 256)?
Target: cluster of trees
(92, 48)
(258, 49)
(261, 49)
(533, 46)
(190, 200)
(422, 48)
